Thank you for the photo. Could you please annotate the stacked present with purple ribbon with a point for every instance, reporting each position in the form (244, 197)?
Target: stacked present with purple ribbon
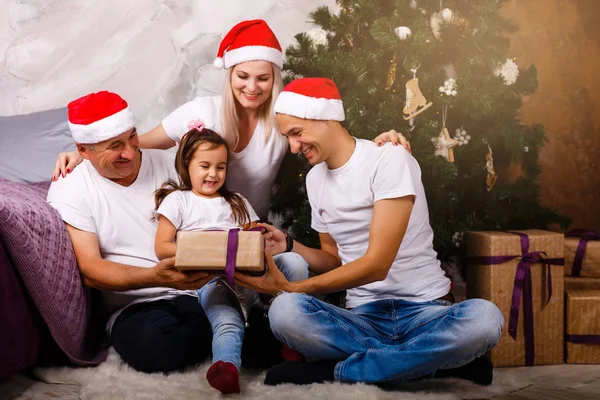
(522, 272)
(582, 286)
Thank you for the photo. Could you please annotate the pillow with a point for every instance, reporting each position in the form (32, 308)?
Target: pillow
(38, 244)
(30, 144)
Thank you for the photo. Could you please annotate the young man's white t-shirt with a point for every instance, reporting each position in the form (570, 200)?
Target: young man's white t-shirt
(252, 171)
(342, 202)
(121, 217)
(190, 212)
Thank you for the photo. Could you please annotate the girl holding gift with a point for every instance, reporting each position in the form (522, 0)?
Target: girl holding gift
(201, 202)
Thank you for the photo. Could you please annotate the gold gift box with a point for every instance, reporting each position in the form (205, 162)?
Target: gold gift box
(495, 283)
(208, 251)
(583, 326)
(590, 265)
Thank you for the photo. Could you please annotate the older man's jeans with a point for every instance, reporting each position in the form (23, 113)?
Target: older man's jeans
(387, 340)
(221, 307)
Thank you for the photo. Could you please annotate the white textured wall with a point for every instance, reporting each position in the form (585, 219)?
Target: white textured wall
(156, 53)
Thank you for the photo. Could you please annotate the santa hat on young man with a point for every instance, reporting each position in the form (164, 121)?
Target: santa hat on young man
(98, 117)
(311, 98)
(249, 41)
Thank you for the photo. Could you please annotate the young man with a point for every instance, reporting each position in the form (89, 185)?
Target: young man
(369, 207)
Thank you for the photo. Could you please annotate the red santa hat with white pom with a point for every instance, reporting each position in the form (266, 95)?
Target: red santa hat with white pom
(98, 117)
(251, 40)
(311, 98)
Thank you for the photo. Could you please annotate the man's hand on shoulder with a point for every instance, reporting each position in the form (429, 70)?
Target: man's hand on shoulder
(165, 274)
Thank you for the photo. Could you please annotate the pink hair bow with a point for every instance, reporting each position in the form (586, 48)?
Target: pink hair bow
(197, 124)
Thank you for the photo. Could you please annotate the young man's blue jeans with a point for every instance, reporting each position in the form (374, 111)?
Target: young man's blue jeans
(387, 340)
(223, 311)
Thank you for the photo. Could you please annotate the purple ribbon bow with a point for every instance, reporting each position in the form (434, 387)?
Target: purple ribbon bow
(585, 236)
(232, 247)
(522, 287)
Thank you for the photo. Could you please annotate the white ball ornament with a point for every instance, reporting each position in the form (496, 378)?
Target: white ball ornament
(454, 93)
(442, 89)
(403, 32)
(447, 15)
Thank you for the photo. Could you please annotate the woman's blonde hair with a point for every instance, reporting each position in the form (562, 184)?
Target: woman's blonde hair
(229, 116)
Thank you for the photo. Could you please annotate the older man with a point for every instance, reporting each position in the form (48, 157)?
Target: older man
(156, 323)
(369, 208)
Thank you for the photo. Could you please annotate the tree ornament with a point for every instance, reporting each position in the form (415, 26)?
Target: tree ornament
(457, 238)
(509, 71)
(318, 36)
(492, 176)
(415, 101)
(449, 88)
(414, 4)
(403, 32)
(460, 135)
(444, 143)
(391, 76)
(446, 16)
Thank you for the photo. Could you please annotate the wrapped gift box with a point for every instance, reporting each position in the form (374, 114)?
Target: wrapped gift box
(534, 316)
(576, 282)
(211, 251)
(583, 326)
(582, 253)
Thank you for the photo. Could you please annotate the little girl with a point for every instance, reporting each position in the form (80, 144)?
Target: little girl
(200, 201)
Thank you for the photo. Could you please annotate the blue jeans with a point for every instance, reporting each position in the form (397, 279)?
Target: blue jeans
(387, 340)
(223, 311)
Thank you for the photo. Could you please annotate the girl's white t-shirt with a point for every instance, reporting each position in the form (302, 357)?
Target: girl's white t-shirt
(190, 212)
(250, 172)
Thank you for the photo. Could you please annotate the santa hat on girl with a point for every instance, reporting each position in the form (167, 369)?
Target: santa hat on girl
(311, 98)
(249, 41)
(98, 117)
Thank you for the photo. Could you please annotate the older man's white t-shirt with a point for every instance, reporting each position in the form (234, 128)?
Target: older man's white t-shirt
(253, 170)
(121, 217)
(342, 202)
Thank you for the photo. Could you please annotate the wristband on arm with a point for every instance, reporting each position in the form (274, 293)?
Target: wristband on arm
(289, 239)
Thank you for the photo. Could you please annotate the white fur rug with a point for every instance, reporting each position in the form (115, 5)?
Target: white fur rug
(115, 380)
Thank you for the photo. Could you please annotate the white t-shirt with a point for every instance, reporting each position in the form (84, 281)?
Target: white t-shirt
(342, 202)
(190, 212)
(121, 217)
(250, 172)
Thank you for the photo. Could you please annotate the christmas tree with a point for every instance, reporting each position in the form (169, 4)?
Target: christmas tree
(461, 113)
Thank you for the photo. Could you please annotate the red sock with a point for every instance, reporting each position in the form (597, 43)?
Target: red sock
(289, 354)
(224, 377)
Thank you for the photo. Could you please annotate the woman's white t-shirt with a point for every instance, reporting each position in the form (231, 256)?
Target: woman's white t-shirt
(250, 172)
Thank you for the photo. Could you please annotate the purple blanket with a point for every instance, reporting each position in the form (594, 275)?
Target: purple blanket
(37, 242)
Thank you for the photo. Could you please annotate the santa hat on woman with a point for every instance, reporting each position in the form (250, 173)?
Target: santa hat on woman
(249, 41)
(311, 98)
(98, 117)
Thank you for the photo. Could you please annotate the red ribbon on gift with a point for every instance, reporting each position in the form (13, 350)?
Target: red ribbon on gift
(585, 236)
(522, 288)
